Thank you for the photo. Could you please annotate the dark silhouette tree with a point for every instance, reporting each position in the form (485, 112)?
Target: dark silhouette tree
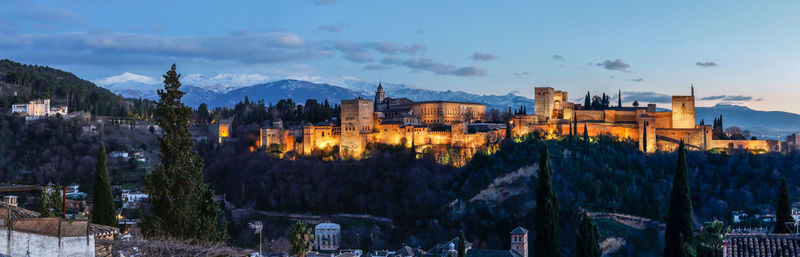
(587, 238)
(546, 242)
(679, 221)
(301, 238)
(585, 138)
(783, 211)
(462, 244)
(587, 102)
(103, 210)
(183, 205)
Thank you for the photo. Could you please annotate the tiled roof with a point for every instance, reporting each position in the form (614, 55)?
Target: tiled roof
(16, 212)
(474, 252)
(757, 245)
(102, 230)
(519, 230)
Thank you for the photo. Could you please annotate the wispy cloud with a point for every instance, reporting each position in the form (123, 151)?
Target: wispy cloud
(646, 97)
(443, 69)
(734, 98)
(325, 2)
(377, 67)
(617, 65)
(524, 73)
(333, 28)
(638, 80)
(478, 56)
(413, 48)
(558, 57)
(706, 64)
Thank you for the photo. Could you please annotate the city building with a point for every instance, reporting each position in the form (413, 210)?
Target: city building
(39, 108)
(327, 236)
(761, 244)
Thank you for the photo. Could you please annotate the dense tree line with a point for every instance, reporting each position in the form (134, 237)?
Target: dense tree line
(33, 81)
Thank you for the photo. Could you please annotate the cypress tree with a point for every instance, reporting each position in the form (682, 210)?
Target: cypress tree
(587, 102)
(462, 245)
(103, 211)
(546, 242)
(620, 98)
(585, 138)
(183, 206)
(587, 238)
(679, 222)
(783, 211)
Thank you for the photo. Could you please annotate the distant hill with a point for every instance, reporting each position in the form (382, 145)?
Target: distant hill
(762, 124)
(272, 92)
(20, 83)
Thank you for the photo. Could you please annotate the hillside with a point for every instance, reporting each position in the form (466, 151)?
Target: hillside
(763, 124)
(20, 83)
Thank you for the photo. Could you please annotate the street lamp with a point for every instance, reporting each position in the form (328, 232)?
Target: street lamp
(257, 227)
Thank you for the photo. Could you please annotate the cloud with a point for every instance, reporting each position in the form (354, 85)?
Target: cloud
(46, 17)
(391, 60)
(413, 48)
(617, 64)
(333, 28)
(646, 97)
(525, 73)
(443, 69)
(358, 57)
(325, 2)
(558, 57)
(706, 64)
(638, 80)
(478, 56)
(127, 77)
(734, 98)
(377, 67)
(420, 32)
(101, 49)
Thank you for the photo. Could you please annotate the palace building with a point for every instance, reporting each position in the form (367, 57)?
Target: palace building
(391, 121)
(403, 122)
(654, 130)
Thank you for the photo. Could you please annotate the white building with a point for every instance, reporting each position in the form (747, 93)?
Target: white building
(39, 108)
(327, 236)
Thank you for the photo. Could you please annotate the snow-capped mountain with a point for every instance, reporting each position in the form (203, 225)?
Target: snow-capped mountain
(135, 85)
(224, 82)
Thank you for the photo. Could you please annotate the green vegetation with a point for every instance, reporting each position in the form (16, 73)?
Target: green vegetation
(680, 231)
(103, 211)
(783, 211)
(711, 238)
(52, 204)
(301, 238)
(183, 205)
(588, 237)
(546, 242)
(20, 83)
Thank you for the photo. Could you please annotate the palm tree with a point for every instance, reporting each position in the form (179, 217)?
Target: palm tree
(711, 237)
(301, 239)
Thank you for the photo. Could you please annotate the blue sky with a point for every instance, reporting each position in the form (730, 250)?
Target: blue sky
(734, 52)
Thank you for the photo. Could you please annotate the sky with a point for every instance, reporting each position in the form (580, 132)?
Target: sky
(738, 52)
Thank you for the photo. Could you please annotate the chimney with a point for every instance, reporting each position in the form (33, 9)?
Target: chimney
(10, 200)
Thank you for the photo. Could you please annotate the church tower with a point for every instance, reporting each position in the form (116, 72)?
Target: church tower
(379, 96)
(519, 241)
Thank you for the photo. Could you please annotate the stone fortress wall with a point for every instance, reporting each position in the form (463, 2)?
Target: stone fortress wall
(652, 129)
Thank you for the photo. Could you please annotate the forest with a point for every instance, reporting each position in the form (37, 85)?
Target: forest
(20, 83)
(432, 201)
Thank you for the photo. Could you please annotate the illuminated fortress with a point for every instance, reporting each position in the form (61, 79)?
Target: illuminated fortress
(403, 122)
(654, 130)
(389, 121)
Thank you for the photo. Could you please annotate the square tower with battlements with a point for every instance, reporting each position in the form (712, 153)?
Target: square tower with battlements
(356, 120)
(683, 111)
(544, 102)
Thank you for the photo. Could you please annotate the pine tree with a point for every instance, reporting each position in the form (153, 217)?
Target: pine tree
(546, 242)
(587, 238)
(103, 210)
(783, 211)
(462, 245)
(679, 222)
(183, 205)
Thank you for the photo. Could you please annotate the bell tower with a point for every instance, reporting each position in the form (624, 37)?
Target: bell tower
(379, 96)
(519, 241)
